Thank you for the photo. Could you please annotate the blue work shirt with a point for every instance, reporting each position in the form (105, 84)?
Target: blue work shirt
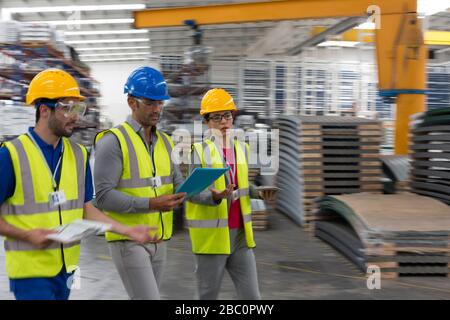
(8, 181)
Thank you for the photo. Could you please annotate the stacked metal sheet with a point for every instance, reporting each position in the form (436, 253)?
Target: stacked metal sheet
(326, 155)
(430, 153)
(9, 31)
(401, 234)
(36, 32)
(15, 117)
(259, 215)
(397, 171)
(438, 84)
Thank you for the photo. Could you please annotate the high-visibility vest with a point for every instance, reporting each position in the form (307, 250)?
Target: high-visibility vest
(138, 179)
(208, 225)
(30, 208)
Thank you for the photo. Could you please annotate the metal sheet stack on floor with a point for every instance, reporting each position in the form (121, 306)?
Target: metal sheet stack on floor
(397, 170)
(430, 152)
(259, 215)
(326, 155)
(402, 234)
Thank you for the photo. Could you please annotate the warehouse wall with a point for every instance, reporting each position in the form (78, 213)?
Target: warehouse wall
(112, 76)
(366, 54)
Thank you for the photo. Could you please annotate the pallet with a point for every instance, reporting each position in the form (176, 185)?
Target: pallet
(392, 270)
(393, 261)
(260, 220)
(328, 152)
(337, 126)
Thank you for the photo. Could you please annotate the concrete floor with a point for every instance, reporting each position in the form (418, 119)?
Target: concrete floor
(292, 264)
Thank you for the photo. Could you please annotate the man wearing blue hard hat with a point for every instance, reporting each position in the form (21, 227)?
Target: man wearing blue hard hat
(135, 179)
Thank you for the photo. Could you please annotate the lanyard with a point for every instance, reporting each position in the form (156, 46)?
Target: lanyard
(149, 149)
(53, 175)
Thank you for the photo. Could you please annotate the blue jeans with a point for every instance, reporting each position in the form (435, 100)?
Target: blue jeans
(55, 288)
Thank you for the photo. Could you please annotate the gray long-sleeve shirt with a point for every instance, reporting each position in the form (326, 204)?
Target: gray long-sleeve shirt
(108, 170)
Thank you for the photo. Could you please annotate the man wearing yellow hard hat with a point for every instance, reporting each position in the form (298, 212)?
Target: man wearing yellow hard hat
(219, 219)
(46, 182)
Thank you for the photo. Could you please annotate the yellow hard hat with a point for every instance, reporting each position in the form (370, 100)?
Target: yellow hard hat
(217, 100)
(52, 84)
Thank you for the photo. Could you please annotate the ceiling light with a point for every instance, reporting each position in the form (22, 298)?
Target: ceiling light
(100, 32)
(113, 54)
(111, 48)
(77, 8)
(431, 7)
(338, 44)
(92, 21)
(366, 26)
(107, 41)
(113, 59)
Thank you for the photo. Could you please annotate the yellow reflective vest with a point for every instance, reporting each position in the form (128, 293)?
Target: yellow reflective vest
(208, 225)
(140, 180)
(30, 208)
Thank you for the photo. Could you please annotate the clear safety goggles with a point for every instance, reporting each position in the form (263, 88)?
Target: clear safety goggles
(150, 103)
(72, 108)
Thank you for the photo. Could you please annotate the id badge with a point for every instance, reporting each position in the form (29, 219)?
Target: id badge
(235, 195)
(57, 198)
(156, 182)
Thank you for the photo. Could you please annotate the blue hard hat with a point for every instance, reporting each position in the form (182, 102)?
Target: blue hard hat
(146, 82)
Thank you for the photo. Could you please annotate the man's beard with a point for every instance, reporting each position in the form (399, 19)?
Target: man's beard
(149, 120)
(57, 129)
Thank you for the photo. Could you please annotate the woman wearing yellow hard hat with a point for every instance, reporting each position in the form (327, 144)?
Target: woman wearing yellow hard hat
(46, 182)
(219, 219)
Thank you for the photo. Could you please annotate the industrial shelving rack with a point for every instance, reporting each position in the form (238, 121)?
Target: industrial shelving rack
(19, 63)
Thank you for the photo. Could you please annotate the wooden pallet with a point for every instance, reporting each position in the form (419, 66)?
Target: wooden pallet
(260, 220)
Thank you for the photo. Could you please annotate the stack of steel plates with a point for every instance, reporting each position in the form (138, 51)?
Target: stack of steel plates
(31, 32)
(259, 215)
(397, 169)
(401, 234)
(9, 31)
(253, 174)
(326, 155)
(430, 152)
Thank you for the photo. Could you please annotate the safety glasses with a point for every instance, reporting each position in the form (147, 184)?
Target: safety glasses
(150, 103)
(218, 117)
(72, 108)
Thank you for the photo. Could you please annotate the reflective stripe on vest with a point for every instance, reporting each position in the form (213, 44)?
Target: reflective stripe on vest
(29, 208)
(11, 245)
(33, 207)
(219, 223)
(208, 225)
(242, 192)
(137, 179)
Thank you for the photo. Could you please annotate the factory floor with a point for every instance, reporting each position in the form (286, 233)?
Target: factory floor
(292, 264)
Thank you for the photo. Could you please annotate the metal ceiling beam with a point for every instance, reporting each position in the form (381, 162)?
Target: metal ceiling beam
(267, 11)
(323, 36)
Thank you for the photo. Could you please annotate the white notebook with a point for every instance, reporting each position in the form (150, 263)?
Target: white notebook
(78, 230)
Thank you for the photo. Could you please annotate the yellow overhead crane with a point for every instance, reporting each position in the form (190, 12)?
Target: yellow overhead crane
(400, 48)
